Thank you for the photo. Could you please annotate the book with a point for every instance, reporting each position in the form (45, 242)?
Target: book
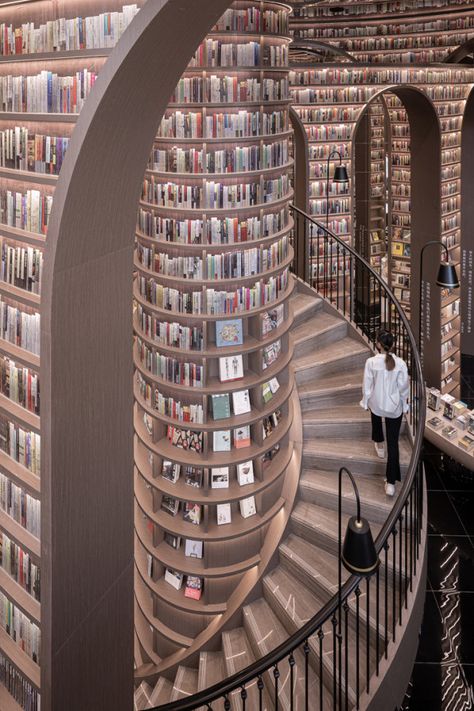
(241, 402)
(170, 471)
(245, 474)
(462, 422)
(220, 406)
(229, 333)
(248, 507)
(470, 427)
(193, 476)
(193, 549)
(172, 540)
(270, 354)
(272, 319)
(149, 565)
(448, 410)
(220, 478)
(231, 368)
(170, 504)
(174, 578)
(434, 399)
(242, 437)
(397, 249)
(449, 431)
(269, 455)
(221, 441)
(193, 587)
(148, 422)
(192, 513)
(274, 385)
(185, 439)
(467, 442)
(435, 422)
(266, 392)
(224, 514)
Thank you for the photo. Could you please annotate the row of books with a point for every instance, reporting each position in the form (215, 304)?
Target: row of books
(169, 368)
(212, 230)
(174, 334)
(20, 384)
(21, 149)
(21, 266)
(47, 92)
(193, 586)
(21, 445)
(318, 188)
(329, 132)
(224, 53)
(402, 41)
(26, 211)
(369, 8)
(229, 89)
(207, 196)
(230, 160)
(437, 76)
(24, 693)
(20, 566)
(20, 506)
(192, 513)
(63, 34)
(229, 265)
(322, 152)
(20, 628)
(213, 301)
(237, 124)
(168, 406)
(253, 19)
(448, 189)
(336, 207)
(20, 327)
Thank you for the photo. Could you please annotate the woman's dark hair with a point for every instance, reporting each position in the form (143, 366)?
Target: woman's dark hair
(386, 340)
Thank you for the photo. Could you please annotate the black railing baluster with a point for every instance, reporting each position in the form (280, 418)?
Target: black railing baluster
(357, 594)
(243, 696)
(346, 654)
(400, 569)
(367, 635)
(386, 546)
(321, 685)
(406, 554)
(411, 540)
(394, 584)
(306, 674)
(377, 620)
(292, 662)
(226, 703)
(260, 687)
(276, 676)
(334, 662)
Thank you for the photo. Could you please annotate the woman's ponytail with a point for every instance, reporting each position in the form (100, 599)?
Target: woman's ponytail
(386, 341)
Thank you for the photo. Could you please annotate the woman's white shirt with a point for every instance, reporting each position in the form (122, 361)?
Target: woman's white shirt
(385, 392)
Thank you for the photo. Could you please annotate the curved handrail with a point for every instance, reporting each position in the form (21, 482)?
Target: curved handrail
(254, 671)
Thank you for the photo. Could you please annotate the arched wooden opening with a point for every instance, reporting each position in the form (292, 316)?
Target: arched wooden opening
(301, 194)
(86, 363)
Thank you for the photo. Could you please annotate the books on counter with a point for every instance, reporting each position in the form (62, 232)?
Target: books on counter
(220, 406)
(170, 471)
(449, 431)
(221, 441)
(224, 514)
(192, 513)
(448, 402)
(193, 587)
(245, 473)
(242, 437)
(434, 399)
(220, 478)
(173, 578)
(229, 333)
(193, 549)
(467, 442)
(435, 422)
(248, 507)
(231, 368)
(241, 402)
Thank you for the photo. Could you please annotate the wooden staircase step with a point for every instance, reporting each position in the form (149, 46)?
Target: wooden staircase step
(304, 306)
(185, 683)
(238, 654)
(321, 487)
(337, 421)
(142, 697)
(162, 692)
(358, 455)
(336, 389)
(347, 353)
(319, 331)
(265, 632)
(211, 671)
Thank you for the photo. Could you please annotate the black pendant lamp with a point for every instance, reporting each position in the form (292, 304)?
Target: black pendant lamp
(340, 174)
(359, 556)
(447, 276)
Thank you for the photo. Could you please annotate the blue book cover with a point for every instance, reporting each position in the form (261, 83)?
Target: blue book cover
(229, 333)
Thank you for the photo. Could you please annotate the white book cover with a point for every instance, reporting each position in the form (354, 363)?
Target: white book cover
(241, 402)
(231, 368)
(248, 507)
(193, 549)
(224, 514)
(220, 478)
(245, 473)
(274, 385)
(221, 440)
(173, 578)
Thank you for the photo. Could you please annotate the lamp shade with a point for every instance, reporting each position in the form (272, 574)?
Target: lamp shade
(447, 276)
(358, 552)
(340, 174)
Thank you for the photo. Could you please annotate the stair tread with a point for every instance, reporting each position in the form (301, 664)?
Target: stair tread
(371, 487)
(345, 450)
(339, 381)
(142, 697)
(162, 692)
(331, 353)
(324, 519)
(185, 683)
(318, 323)
(238, 654)
(337, 413)
(211, 669)
(317, 562)
(301, 302)
(299, 603)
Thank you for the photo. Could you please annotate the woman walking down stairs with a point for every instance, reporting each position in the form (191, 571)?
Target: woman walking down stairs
(328, 361)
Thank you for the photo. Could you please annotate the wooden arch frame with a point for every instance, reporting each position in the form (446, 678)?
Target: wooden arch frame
(86, 363)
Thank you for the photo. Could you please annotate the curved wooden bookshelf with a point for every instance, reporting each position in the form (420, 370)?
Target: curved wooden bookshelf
(224, 577)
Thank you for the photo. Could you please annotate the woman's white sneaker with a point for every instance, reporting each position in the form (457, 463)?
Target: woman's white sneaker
(380, 449)
(389, 489)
